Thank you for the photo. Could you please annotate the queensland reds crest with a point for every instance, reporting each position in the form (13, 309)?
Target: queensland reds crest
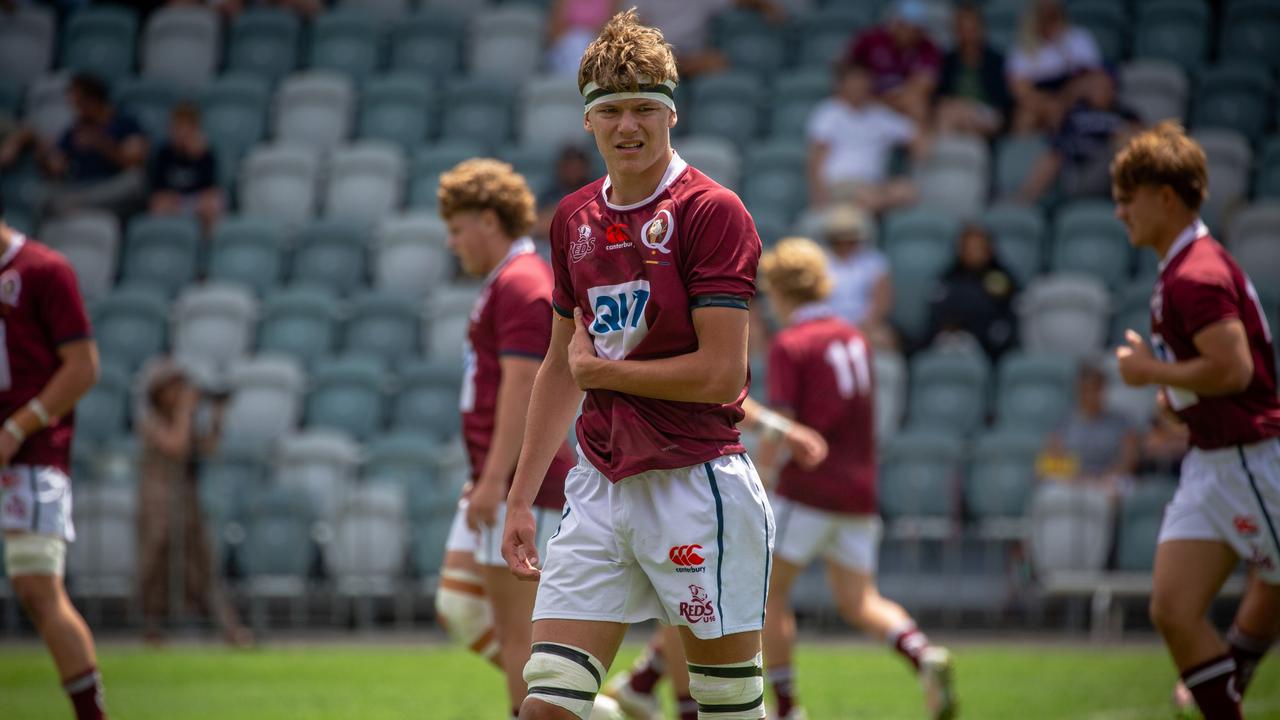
(10, 289)
(699, 608)
(584, 245)
(657, 232)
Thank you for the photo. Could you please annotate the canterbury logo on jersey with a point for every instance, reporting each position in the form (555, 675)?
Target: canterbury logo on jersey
(618, 320)
(686, 557)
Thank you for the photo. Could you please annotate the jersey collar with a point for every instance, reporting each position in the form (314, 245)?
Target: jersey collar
(811, 311)
(674, 169)
(521, 246)
(1196, 230)
(16, 241)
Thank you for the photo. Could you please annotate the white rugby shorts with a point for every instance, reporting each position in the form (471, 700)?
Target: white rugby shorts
(805, 533)
(689, 546)
(487, 543)
(36, 499)
(1231, 495)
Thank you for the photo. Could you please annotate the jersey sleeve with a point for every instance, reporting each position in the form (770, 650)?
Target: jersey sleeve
(61, 309)
(722, 252)
(562, 296)
(1203, 300)
(522, 313)
(783, 383)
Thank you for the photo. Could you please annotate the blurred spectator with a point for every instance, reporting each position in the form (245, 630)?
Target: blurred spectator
(973, 94)
(99, 161)
(184, 176)
(1048, 55)
(862, 292)
(1164, 443)
(851, 136)
(175, 561)
(573, 170)
(972, 303)
(902, 59)
(1094, 445)
(1080, 152)
(571, 26)
(685, 25)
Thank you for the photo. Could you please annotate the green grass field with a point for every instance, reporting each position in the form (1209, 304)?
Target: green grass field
(837, 682)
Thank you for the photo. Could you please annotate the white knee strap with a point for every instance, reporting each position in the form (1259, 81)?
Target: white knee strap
(463, 609)
(564, 676)
(34, 554)
(728, 692)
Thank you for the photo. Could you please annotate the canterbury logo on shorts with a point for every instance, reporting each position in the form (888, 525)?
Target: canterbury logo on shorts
(686, 555)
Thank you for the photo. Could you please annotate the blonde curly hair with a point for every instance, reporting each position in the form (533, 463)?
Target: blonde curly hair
(796, 270)
(487, 184)
(1163, 155)
(626, 52)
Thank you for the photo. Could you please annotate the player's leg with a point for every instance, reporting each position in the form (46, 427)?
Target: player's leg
(678, 673)
(462, 607)
(567, 662)
(726, 677)
(634, 688)
(1256, 625)
(780, 633)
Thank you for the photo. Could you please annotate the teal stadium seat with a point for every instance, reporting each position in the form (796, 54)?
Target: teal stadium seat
(1001, 20)
(161, 251)
(1236, 96)
(234, 112)
(386, 325)
(1015, 156)
(727, 104)
(1002, 477)
(1064, 314)
(429, 162)
(212, 323)
(774, 177)
(396, 109)
(277, 545)
(264, 42)
(27, 38)
(249, 251)
(1173, 30)
(427, 44)
(1155, 89)
(1266, 181)
(347, 42)
(410, 257)
(479, 110)
(1033, 391)
(365, 182)
(181, 45)
(824, 34)
(90, 241)
(279, 182)
(130, 325)
(953, 178)
(919, 243)
(793, 99)
(1019, 238)
(330, 254)
(100, 39)
(323, 462)
(1230, 166)
(1108, 23)
(102, 414)
(919, 471)
(749, 42)
(948, 391)
(1132, 310)
(505, 41)
(402, 458)
(1249, 30)
(315, 109)
(265, 401)
(301, 322)
(150, 101)
(535, 160)
(426, 399)
(345, 396)
(1088, 239)
(1141, 514)
(716, 157)
(1254, 239)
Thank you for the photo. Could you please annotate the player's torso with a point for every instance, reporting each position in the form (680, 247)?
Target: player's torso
(29, 357)
(1241, 418)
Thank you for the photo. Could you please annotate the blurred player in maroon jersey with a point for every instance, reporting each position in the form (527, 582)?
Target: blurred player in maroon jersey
(820, 374)
(654, 270)
(1211, 352)
(489, 209)
(48, 360)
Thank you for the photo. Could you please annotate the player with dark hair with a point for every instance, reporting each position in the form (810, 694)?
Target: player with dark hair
(1211, 352)
(48, 361)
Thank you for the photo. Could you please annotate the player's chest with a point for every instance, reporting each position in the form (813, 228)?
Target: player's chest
(628, 253)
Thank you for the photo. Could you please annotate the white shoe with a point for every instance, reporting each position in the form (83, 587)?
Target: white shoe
(936, 679)
(637, 706)
(1184, 703)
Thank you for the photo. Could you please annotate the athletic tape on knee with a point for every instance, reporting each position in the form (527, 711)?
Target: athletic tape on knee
(35, 554)
(728, 692)
(564, 676)
(463, 609)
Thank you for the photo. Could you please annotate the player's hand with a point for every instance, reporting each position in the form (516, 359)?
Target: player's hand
(482, 506)
(582, 351)
(807, 447)
(1135, 359)
(519, 542)
(8, 448)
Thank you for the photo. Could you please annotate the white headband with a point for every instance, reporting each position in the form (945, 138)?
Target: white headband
(663, 92)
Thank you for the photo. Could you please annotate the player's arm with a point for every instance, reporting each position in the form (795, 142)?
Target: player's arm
(514, 390)
(714, 373)
(778, 427)
(73, 378)
(1224, 367)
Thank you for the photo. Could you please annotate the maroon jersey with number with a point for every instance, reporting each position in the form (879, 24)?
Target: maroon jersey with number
(820, 370)
(1199, 285)
(638, 271)
(512, 316)
(40, 310)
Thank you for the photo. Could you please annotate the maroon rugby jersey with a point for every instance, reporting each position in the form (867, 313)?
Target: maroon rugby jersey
(40, 309)
(637, 272)
(1199, 285)
(820, 369)
(512, 316)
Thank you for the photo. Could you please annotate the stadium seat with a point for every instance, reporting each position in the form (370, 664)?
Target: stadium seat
(248, 251)
(370, 536)
(365, 182)
(536, 161)
(824, 34)
(1138, 404)
(324, 462)
(551, 112)
(46, 108)
(116, 461)
(402, 458)
(478, 110)
(890, 373)
(279, 182)
(100, 39)
(299, 321)
(103, 562)
(396, 109)
(1064, 314)
(1019, 238)
(427, 538)
(1230, 165)
(1237, 96)
(314, 109)
(448, 314)
(265, 400)
(90, 242)
(181, 45)
(345, 41)
(427, 44)
(103, 413)
(715, 156)
(1141, 513)
(1034, 391)
(129, 325)
(1249, 30)
(427, 165)
(384, 325)
(426, 398)
(1071, 528)
(464, 9)
(1088, 239)
(1155, 89)
(1001, 20)
(1001, 479)
(774, 177)
(278, 551)
(727, 104)
(227, 480)
(919, 243)
(953, 178)
(1266, 182)
(1132, 310)
(150, 101)
(1175, 30)
(918, 476)
(26, 42)
(506, 41)
(330, 254)
(264, 43)
(749, 42)
(160, 251)
(1015, 156)
(1255, 243)
(10, 98)
(948, 391)
(234, 112)
(1107, 22)
(345, 396)
(410, 257)
(213, 324)
(385, 11)
(793, 99)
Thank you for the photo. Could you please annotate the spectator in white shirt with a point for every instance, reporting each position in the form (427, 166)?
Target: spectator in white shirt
(862, 292)
(1049, 55)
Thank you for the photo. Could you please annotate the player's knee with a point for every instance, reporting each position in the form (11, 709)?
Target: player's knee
(1168, 613)
(728, 692)
(465, 613)
(563, 676)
